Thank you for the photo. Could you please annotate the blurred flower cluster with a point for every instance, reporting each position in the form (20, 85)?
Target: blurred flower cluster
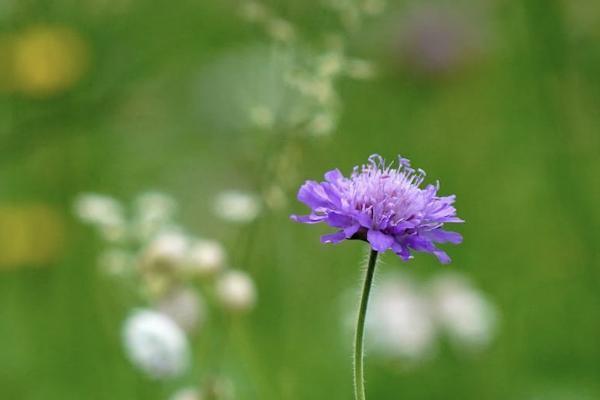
(292, 85)
(180, 278)
(407, 319)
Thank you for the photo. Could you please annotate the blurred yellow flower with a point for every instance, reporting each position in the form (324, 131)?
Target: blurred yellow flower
(47, 60)
(7, 83)
(30, 235)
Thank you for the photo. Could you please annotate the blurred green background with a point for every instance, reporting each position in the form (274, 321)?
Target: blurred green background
(123, 96)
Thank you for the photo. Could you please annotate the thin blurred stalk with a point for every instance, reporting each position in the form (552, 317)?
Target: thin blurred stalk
(359, 378)
(235, 330)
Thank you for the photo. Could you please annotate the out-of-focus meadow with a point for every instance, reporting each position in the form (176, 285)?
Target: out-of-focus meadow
(227, 107)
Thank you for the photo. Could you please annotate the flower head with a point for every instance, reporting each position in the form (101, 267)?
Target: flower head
(237, 206)
(205, 258)
(156, 344)
(236, 291)
(103, 212)
(383, 205)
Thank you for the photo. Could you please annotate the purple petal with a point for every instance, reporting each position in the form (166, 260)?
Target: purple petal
(333, 176)
(333, 237)
(332, 194)
(307, 219)
(351, 230)
(402, 251)
(313, 195)
(339, 220)
(401, 227)
(420, 243)
(365, 220)
(442, 236)
(448, 199)
(452, 220)
(379, 241)
(442, 256)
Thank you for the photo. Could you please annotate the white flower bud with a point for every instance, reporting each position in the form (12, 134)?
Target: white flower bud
(237, 206)
(165, 253)
(185, 307)
(236, 291)
(104, 212)
(205, 258)
(155, 344)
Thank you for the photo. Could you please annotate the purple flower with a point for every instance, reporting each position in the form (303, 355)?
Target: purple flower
(438, 42)
(383, 205)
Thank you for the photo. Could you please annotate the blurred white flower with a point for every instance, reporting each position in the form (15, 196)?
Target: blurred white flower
(236, 291)
(185, 307)
(405, 319)
(104, 212)
(205, 258)
(463, 311)
(155, 344)
(98, 209)
(153, 212)
(399, 322)
(237, 206)
(187, 394)
(166, 252)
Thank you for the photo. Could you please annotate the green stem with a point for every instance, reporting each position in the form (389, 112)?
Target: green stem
(359, 379)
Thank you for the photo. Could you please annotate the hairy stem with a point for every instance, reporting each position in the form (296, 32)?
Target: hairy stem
(359, 379)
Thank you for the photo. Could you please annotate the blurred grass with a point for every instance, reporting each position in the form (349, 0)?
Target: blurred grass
(515, 137)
